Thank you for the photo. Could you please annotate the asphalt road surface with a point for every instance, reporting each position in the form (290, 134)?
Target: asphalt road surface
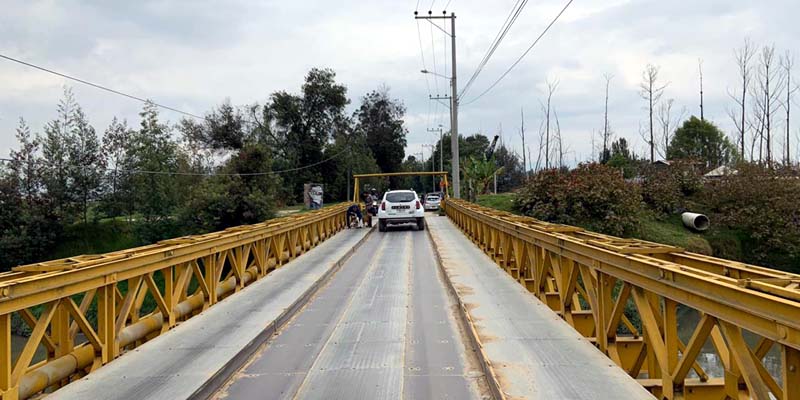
(382, 328)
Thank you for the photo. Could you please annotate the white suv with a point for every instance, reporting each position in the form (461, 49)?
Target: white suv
(400, 207)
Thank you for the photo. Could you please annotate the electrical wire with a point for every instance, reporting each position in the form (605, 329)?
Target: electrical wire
(435, 72)
(117, 92)
(114, 91)
(522, 56)
(147, 172)
(422, 56)
(501, 34)
(101, 87)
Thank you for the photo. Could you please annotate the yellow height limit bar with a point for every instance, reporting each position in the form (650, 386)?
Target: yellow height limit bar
(357, 179)
(182, 276)
(625, 295)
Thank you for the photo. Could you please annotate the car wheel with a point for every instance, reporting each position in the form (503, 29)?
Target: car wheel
(382, 226)
(420, 224)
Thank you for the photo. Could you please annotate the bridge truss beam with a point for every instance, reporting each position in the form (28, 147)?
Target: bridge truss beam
(137, 294)
(625, 295)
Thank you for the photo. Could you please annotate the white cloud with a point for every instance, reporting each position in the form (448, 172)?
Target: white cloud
(192, 55)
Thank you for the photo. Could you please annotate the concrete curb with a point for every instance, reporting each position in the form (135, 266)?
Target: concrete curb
(486, 364)
(219, 379)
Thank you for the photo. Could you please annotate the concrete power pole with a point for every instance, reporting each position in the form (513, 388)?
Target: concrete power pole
(433, 164)
(455, 167)
(441, 147)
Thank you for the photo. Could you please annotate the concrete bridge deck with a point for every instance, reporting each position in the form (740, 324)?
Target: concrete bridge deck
(384, 325)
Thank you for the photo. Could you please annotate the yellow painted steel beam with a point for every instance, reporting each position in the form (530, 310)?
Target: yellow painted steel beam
(731, 297)
(247, 252)
(39, 288)
(387, 174)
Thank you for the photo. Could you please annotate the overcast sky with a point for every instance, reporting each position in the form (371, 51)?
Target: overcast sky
(192, 55)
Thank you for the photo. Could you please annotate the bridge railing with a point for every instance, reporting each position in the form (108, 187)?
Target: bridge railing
(85, 311)
(626, 296)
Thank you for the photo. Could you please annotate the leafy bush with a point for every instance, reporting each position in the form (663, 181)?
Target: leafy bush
(762, 203)
(665, 190)
(594, 196)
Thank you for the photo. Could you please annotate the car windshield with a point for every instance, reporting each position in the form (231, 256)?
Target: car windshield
(399, 197)
(433, 198)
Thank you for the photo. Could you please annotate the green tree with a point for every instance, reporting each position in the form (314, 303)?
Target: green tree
(350, 155)
(25, 165)
(28, 228)
(155, 158)
(380, 119)
(86, 161)
(240, 194)
(416, 183)
(622, 158)
(118, 152)
(474, 145)
(299, 127)
(479, 174)
(55, 157)
(512, 175)
(702, 141)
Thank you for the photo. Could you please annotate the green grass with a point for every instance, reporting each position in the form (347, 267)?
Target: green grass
(670, 231)
(716, 241)
(500, 201)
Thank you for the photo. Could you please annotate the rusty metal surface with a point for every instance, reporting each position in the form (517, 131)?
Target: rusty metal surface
(178, 363)
(534, 353)
(381, 329)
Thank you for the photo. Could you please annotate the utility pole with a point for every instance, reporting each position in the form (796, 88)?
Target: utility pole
(441, 146)
(433, 164)
(455, 168)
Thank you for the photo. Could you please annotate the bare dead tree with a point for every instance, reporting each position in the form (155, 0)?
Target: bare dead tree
(700, 68)
(768, 99)
(559, 142)
(551, 89)
(787, 63)
(541, 146)
(606, 126)
(522, 134)
(667, 123)
(757, 125)
(651, 91)
(744, 57)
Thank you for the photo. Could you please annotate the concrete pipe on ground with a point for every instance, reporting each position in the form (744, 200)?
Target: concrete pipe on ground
(694, 221)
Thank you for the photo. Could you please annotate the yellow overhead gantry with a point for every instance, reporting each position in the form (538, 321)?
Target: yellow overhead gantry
(357, 178)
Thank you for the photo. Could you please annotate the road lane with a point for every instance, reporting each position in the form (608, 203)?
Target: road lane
(383, 327)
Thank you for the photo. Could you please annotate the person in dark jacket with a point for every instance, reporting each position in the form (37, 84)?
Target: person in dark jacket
(354, 216)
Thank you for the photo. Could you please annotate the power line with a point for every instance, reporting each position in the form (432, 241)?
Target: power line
(117, 92)
(148, 172)
(101, 87)
(523, 54)
(422, 55)
(501, 34)
(435, 72)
